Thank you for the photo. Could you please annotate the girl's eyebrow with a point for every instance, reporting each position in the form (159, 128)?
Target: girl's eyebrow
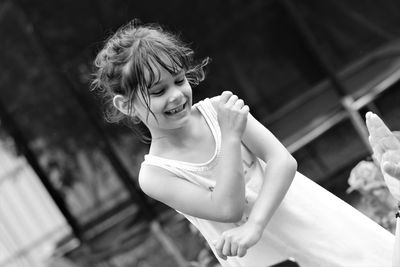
(179, 73)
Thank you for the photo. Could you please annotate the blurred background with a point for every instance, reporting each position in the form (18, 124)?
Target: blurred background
(308, 69)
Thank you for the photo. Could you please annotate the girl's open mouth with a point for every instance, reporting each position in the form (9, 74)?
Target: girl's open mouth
(176, 110)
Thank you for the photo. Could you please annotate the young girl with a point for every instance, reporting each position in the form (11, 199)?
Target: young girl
(223, 170)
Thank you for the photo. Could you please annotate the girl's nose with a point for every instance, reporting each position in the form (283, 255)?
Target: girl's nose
(175, 95)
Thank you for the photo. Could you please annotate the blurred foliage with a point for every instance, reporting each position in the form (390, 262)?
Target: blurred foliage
(375, 199)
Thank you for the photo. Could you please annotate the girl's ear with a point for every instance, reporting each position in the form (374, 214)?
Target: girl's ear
(121, 104)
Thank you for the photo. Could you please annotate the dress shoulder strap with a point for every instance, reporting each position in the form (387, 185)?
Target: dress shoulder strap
(210, 114)
(206, 107)
(159, 162)
(193, 177)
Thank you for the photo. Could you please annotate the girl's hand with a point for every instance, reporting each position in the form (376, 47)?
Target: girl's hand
(236, 241)
(232, 114)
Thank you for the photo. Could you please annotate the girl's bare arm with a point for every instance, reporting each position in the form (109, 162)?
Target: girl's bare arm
(225, 202)
(185, 196)
(279, 173)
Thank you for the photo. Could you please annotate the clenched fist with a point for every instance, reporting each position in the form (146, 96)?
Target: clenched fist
(232, 114)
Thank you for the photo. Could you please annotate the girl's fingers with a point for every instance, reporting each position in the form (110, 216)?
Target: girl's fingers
(245, 109)
(242, 250)
(218, 248)
(234, 249)
(225, 97)
(226, 250)
(232, 100)
(239, 104)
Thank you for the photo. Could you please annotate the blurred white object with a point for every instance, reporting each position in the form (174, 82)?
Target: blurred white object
(386, 149)
(393, 183)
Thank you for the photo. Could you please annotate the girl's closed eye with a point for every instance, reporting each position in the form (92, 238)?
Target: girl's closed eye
(180, 81)
(157, 92)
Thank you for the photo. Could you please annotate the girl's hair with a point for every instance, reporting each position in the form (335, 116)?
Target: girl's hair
(131, 52)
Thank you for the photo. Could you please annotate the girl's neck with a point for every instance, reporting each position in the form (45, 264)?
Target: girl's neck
(175, 139)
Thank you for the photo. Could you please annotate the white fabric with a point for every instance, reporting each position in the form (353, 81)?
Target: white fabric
(396, 250)
(311, 225)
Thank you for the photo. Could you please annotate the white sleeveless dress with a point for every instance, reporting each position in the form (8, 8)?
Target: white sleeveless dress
(311, 225)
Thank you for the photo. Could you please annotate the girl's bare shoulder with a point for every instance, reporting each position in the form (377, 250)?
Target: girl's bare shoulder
(153, 180)
(150, 175)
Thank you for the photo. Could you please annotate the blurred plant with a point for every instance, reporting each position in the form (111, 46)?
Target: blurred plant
(376, 201)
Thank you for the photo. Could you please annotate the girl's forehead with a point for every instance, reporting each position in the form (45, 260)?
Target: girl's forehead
(157, 73)
(153, 71)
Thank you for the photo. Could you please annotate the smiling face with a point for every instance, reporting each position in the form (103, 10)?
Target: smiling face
(169, 99)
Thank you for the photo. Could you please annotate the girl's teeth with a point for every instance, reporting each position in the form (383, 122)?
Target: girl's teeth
(176, 110)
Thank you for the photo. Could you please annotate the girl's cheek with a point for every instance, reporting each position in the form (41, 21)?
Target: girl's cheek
(187, 89)
(156, 105)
